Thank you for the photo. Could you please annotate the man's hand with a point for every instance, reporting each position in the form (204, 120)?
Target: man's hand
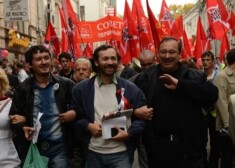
(67, 116)
(169, 81)
(95, 129)
(144, 113)
(15, 119)
(121, 136)
(28, 132)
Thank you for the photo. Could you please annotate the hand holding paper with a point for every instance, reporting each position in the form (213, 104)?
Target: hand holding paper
(109, 124)
(121, 134)
(37, 128)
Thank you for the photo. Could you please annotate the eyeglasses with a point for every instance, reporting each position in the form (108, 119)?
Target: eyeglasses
(170, 52)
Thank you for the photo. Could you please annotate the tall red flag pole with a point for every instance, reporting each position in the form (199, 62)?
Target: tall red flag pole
(153, 24)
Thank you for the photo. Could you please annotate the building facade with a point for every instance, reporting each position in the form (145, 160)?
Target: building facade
(191, 18)
(17, 35)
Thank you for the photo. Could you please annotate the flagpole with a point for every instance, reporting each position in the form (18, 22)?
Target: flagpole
(70, 25)
(84, 51)
(139, 30)
(112, 39)
(80, 37)
(69, 33)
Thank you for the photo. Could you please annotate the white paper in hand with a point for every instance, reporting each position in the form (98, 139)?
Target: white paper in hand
(107, 125)
(37, 128)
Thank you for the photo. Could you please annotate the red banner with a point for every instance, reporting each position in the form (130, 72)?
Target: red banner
(107, 28)
(217, 17)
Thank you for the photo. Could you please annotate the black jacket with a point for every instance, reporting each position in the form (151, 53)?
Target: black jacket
(194, 93)
(22, 104)
(128, 72)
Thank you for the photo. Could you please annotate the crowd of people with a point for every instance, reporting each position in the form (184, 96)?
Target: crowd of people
(178, 108)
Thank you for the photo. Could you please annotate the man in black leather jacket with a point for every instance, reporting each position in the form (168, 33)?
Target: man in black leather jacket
(50, 95)
(174, 136)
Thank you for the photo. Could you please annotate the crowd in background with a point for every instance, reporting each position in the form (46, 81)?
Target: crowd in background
(177, 104)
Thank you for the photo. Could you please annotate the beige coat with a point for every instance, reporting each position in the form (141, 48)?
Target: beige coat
(231, 109)
(225, 82)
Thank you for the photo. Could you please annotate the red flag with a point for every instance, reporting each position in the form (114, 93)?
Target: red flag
(69, 12)
(217, 17)
(129, 21)
(179, 25)
(223, 11)
(155, 27)
(201, 40)
(52, 38)
(138, 11)
(143, 26)
(88, 52)
(129, 47)
(132, 30)
(125, 104)
(166, 19)
(224, 47)
(124, 51)
(73, 31)
(232, 22)
(180, 32)
(186, 46)
(64, 42)
(192, 42)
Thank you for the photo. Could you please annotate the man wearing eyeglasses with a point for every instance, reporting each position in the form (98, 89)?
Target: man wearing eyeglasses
(174, 136)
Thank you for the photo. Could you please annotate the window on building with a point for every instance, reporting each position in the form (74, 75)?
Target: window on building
(48, 17)
(53, 19)
(189, 26)
(48, 6)
(82, 13)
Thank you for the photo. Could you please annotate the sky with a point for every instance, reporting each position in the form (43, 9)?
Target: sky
(154, 4)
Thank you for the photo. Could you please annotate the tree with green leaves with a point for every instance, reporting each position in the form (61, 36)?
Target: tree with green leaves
(177, 10)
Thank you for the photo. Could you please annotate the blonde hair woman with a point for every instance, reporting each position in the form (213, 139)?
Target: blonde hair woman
(8, 153)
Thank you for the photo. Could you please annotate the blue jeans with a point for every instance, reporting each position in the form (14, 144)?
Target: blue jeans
(114, 160)
(56, 153)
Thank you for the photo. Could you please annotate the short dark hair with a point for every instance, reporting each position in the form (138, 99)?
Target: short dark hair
(20, 64)
(34, 50)
(65, 55)
(231, 56)
(5, 59)
(208, 54)
(169, 38)
(103, 48)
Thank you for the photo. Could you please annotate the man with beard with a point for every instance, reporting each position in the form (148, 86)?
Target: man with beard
(99, 95)
(50, 95)
(174, 137)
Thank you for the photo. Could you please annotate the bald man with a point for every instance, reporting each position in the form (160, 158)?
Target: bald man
(146, 58)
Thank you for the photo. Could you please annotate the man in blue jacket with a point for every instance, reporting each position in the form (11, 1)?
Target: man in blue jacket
(104, 93)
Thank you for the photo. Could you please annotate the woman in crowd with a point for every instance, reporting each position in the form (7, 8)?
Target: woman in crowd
(8, 154)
